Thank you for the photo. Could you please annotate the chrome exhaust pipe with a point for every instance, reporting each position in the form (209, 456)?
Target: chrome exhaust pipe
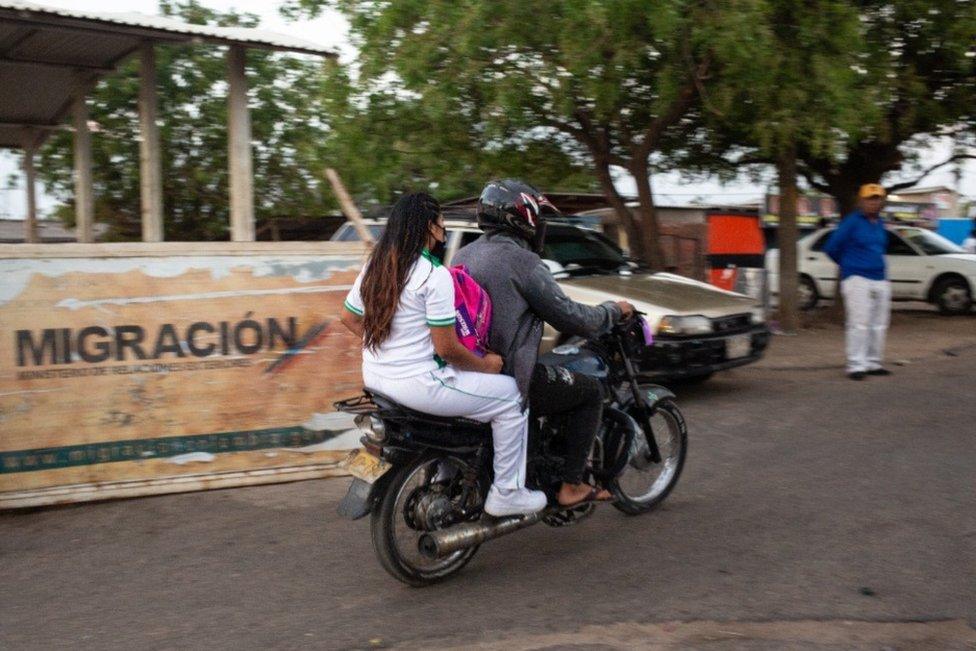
(443, 542)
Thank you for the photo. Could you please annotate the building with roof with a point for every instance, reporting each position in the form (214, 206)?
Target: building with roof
(51, 58)
(947, 202)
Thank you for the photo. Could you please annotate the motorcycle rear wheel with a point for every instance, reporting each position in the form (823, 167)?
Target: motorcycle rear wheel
(643, 485)
(396, 539)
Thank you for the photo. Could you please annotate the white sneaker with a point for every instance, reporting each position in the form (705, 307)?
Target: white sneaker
(519, 501)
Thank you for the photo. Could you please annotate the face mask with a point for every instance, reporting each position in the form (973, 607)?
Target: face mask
(439, 250)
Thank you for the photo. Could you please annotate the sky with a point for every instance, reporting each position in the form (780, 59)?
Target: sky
(331, 29)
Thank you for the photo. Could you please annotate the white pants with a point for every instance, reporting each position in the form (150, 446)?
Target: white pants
(868, 306)
(483, 397)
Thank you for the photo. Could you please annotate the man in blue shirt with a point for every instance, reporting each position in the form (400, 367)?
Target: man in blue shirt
(858, 246)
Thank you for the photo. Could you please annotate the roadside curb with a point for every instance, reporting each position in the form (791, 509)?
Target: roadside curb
(835, 633)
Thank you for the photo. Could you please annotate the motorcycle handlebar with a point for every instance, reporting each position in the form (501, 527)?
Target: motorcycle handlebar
(629, 320)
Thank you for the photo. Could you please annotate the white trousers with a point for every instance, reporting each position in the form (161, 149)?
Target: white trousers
(868, 306)
(483, 397)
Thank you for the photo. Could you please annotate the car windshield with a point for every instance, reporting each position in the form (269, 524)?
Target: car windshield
(928, 242)
(577, 248)
(347, 232)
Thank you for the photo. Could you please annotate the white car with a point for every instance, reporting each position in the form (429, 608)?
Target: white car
(922, 266)
(698, 328)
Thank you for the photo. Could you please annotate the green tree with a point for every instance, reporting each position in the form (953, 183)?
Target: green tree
(809, 99)
(917, 78)
(606, 81)
(289, 131)
(834, 92)
(385, 143)
(797, 91)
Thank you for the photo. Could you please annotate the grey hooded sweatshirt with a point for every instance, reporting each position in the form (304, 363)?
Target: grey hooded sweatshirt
(523, 296)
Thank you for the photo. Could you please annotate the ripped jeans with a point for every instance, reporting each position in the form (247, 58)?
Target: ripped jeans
(574, 404)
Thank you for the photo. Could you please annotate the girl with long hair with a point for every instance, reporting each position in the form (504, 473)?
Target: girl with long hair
(402, 305)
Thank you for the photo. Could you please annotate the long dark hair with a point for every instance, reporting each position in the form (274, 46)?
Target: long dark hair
(392, 258)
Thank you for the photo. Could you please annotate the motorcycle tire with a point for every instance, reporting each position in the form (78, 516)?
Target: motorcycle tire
(383, 531)
(674, 462)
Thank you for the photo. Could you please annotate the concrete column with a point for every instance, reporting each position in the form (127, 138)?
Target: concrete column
(30, 219)
(84, 191)
(150, 167)
(239, 145)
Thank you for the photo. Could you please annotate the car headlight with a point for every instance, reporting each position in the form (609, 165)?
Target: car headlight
(684, 325)
(372, 427)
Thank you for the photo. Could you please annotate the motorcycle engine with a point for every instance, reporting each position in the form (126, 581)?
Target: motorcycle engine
(429, 508)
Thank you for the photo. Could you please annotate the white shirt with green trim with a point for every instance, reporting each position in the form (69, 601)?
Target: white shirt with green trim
(427, 300)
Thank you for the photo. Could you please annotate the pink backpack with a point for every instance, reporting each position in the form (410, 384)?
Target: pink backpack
(472, 307)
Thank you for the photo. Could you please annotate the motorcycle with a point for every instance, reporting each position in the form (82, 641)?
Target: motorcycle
(423, 479)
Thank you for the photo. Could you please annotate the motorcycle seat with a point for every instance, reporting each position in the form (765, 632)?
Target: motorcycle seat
(391, 409)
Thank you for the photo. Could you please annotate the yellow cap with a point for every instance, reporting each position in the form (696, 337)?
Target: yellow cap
(869, 190)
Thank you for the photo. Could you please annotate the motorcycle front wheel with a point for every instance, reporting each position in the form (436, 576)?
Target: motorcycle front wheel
(416, 498)
(642, 485)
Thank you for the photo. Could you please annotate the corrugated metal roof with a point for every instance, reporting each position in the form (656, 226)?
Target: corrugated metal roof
(165, 25)
(47, 54)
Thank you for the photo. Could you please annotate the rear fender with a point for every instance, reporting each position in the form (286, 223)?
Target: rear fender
(361, 497)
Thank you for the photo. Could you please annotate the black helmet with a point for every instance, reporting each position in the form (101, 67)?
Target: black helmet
(516, 207)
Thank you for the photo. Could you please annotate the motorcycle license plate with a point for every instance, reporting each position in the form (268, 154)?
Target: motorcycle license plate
(365, 466)
(738, 346)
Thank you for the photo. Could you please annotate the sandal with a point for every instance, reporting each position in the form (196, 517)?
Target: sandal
(591, 496)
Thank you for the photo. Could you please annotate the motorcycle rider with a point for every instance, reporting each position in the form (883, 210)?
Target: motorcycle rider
(505, 262)
(402, 306)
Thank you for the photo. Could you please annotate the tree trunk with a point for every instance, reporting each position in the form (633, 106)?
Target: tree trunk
(624, 215)
(789, 316)
(865, 162)
(844, 191)
(611, 229)
(649, 230)
(843, 188)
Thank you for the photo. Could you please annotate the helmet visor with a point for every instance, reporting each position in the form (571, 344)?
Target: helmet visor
(546, 207)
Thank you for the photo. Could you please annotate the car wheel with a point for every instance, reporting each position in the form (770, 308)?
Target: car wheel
(807, 294)
(953, 296)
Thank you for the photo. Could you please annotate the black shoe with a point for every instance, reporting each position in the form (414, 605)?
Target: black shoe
(879, 371)
(856, 375)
